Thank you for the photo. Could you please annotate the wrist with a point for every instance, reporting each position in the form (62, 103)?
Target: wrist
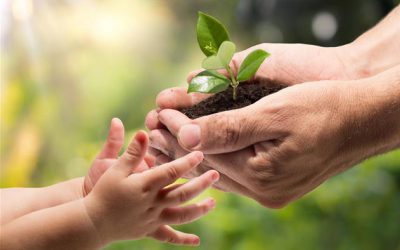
(95, 217)
(372, 114)
(92, 222)
(356, 60)
(376, 50)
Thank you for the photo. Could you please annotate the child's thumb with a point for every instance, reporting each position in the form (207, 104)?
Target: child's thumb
(135, 152)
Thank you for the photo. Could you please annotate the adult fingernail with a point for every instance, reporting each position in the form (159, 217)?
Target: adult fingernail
(189, 136)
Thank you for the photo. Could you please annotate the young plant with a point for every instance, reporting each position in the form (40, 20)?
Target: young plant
(214, 41)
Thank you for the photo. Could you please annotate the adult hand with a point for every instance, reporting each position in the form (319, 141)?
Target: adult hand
(288, 143)
(285, 66)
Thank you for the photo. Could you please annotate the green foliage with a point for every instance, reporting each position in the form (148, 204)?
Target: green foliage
(209, 81)
(222, 58)
(251, 64)
(226, 52)
(56, 112)
(210, 34)
(214, 41)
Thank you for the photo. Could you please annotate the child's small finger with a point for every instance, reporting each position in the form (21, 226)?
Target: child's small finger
(157, 178)
(135, 153)
(187, 214)
(115, 140)
(191, 189)
(169, 235)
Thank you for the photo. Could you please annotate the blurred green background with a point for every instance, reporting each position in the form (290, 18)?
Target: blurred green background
(69, 66)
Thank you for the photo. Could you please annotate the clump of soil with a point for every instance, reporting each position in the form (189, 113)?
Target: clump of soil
(247, 93)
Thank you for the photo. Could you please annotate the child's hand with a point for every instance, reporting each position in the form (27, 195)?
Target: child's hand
(127, 205)
(109, 155)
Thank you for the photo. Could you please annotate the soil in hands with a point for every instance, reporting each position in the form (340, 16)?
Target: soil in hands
(247, 93)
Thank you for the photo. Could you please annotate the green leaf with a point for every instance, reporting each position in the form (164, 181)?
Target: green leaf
(212, 62)
(211, 33)
(222, 59)
(208, 82)
(251, 64)
(213, 73)
(226, 52)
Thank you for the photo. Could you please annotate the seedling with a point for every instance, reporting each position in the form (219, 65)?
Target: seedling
(214, 41)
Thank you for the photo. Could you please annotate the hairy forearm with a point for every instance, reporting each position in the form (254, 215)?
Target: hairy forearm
(66, 226)
(377, 49)
(16, 202)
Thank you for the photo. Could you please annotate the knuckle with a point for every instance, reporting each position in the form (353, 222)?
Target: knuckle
(183, 196)
(170, 239)
(183, 217)
(114, 142)
(261, 172)
(172, 173)
(133, 152)
(205, 184)
(261, 163)
(230, 132)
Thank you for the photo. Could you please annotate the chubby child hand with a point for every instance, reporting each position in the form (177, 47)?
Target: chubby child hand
(109, 155)
(126, 204)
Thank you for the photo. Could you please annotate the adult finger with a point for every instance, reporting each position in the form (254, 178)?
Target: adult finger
(222, 132)
(187, 214)
(114, 142)
(164, 141)
(166, 174)
(190, 189)
(162, 159)
(177, 98)
(173, 120)
(167, 148)
(225, 183)
(170, 149)
(231, 164)
(169, 235)
(152, 122)
(134, 154)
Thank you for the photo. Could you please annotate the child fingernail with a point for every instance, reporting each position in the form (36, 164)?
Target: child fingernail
(211, 203)
(196, 241)
(199, 155)
(215, 176)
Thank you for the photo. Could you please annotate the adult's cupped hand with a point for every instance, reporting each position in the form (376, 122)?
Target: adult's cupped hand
(279, 148)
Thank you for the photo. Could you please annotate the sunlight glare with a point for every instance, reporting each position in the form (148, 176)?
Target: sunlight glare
(22, 10)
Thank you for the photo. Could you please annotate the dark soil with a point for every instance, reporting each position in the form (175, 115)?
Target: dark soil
(246, 94)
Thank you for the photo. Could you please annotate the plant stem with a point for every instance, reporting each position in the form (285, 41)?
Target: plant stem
(234, 82)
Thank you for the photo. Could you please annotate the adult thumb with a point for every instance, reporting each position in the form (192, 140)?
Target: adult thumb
(223, 132)
(135, 153)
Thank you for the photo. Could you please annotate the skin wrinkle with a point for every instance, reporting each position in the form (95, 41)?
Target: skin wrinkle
(323, 127)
